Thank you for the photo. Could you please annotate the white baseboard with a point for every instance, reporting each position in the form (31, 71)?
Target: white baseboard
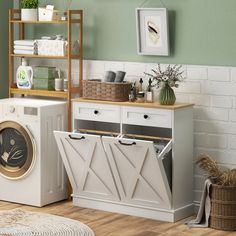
(141, 211)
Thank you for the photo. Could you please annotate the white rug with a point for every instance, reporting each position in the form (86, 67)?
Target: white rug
(24, 223)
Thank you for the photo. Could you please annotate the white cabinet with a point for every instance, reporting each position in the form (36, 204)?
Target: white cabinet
(144, 169)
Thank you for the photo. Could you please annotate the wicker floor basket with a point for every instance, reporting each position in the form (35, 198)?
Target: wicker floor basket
(107, 91)
(223, 207)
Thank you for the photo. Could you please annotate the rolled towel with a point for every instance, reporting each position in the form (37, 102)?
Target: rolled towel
(25, 42)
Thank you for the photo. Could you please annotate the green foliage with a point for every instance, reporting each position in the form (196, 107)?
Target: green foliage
(28, 4)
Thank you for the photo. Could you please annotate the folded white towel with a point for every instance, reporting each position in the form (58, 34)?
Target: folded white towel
(25, 42)
(29, 52)
(20, 47)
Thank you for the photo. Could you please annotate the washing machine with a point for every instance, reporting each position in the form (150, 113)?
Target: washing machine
(31, 169)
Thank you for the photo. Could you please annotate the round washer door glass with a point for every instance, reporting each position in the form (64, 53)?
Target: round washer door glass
(16, 150)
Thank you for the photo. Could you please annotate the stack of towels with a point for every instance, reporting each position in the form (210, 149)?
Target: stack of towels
(25, 47)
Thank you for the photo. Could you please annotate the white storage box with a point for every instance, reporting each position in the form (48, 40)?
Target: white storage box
(52, 47)
(47, 14)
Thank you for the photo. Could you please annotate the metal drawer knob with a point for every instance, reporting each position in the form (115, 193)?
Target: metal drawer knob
(145, 116)
(95, 112)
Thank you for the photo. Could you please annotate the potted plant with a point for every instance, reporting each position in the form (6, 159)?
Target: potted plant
(167, 79)
(222, 193)
(29, 10)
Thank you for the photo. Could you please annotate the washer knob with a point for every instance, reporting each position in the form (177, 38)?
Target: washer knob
(12, 109)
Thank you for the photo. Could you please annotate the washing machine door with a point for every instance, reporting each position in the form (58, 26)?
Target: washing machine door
(16, 150)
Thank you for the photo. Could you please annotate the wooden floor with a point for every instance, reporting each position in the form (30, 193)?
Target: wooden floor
(110, 224)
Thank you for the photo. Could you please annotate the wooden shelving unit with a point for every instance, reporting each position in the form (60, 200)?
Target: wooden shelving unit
(73, 17)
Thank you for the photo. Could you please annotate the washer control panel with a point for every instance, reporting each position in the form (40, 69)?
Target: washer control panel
(32, 111)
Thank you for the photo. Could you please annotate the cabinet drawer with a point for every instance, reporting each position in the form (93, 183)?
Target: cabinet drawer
(147, 117)
(96, 112)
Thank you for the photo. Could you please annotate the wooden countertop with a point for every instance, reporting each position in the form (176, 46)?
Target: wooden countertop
(136, 104)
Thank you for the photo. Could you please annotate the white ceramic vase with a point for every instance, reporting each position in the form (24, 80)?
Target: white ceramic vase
(29, 14)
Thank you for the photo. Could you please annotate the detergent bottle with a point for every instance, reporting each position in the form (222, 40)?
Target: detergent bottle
(24, 75)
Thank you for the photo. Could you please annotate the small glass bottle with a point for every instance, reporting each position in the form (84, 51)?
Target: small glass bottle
(140, 86)
(132, 95)
(149, 93)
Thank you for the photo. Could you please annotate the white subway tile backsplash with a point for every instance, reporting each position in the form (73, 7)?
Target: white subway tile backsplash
(153, 66)
(189, 87)
(182, 98)
(210, 140)
(233, 74)
(232, 142)
(222, 156)
(221, 101)
(220, 114)
(219, 88)
(234, 102)
(75, 79)
(114, 66)
(135, 69)
(75, 66)
(217, 141)
(219, 73)
(198, 170)
(95, 76)
(200, 139)
(232, 128)
(196, 72)
(212, 126)
(200, 100)
(232, 115)
(199, 182)
(61, 64)
(95, 67)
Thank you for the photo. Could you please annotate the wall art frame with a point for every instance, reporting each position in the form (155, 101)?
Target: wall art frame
(152, 31)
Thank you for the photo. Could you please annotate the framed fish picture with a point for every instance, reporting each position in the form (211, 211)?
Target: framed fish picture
(152, 31)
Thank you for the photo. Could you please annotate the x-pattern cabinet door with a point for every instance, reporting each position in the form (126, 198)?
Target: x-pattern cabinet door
(87, 165)
(139, 173)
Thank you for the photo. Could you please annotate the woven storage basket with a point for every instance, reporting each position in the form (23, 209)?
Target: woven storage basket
(107, 91)
(223, 207)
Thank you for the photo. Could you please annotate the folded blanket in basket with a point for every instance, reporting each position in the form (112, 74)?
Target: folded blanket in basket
(202, 219)
(25, 42)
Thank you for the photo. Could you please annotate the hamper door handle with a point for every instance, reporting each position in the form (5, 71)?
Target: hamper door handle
(71, 137)
(127, 144)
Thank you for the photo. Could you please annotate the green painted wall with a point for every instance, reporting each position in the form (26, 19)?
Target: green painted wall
(201, 31)
(4, 6)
